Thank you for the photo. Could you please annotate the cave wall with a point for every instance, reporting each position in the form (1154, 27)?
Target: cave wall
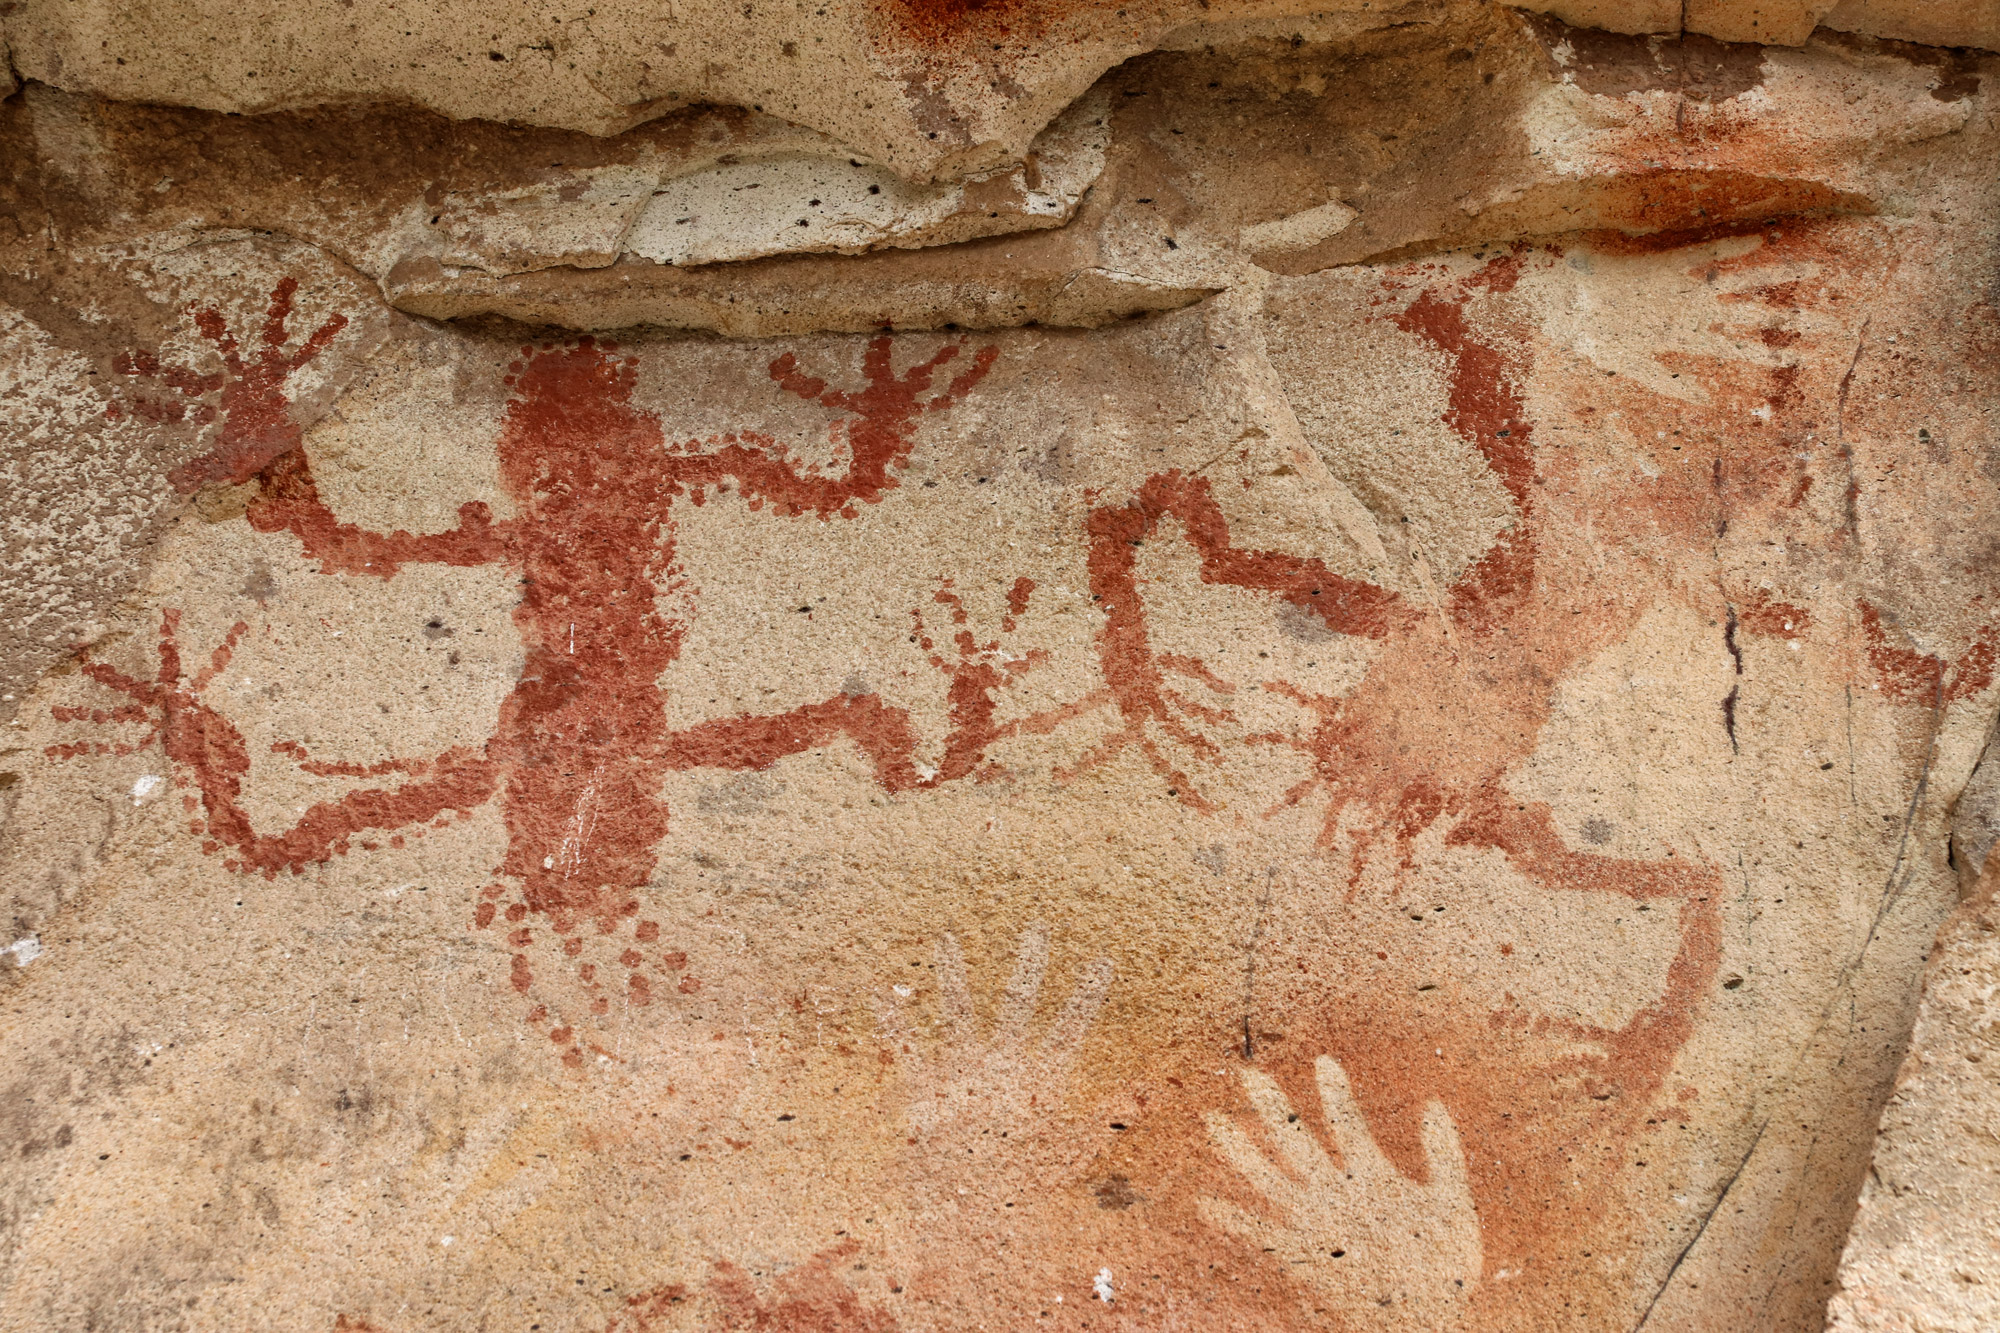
(924, 666)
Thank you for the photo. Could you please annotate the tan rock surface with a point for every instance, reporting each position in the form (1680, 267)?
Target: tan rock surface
(1924, 1253)
(925, 87)
(1788, 22)
(1352, 718)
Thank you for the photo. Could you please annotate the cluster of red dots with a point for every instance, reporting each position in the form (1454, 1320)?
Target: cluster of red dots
(638, 990)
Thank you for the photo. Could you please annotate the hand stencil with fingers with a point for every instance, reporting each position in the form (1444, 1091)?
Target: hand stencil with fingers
(970, 1095)
(1383, 1248)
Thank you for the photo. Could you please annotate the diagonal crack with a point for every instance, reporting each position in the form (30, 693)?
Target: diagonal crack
(1892, 892)
(1702, 1230)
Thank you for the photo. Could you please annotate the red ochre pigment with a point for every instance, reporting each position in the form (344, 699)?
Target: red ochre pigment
(583, 748)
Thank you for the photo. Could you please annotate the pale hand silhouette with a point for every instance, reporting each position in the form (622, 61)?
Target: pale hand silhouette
(1383, 1250)
(978, 1102)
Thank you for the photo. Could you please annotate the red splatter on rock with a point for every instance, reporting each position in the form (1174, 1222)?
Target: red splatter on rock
(1911, 676)
(1759, 613)
(809, 1298)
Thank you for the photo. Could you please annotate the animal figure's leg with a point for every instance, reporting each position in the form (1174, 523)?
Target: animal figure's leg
(881, 732)
(1642, 1050)
(1135, 674)
(209, 752)
(289, 501)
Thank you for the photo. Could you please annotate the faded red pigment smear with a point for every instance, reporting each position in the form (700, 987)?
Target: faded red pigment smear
(809, 1298)
(257, 425)
(1459, 695)
(1499, 609)
(1370, 748)
(1910, 676)
(1376, 754)
(978, 673)
(643, 1313)
(1503, 613)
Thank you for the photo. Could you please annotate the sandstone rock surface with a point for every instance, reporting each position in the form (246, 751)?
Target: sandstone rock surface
(1925, 1249)
(1332, 679)
(923, 86)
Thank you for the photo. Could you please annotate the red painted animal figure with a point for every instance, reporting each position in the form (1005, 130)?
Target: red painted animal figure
(1424, 736)
(1455, 698)
(582, 746)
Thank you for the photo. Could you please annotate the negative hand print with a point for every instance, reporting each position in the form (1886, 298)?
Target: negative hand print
(1382, 1247)
(976, 1100)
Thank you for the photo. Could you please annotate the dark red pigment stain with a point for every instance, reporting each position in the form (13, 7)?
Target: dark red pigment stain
(1664, 209)
(936, 25)
(1760, 613)
(1910, 676)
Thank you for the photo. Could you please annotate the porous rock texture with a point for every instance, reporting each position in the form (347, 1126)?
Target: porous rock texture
(935, 666)
(1924, 1252)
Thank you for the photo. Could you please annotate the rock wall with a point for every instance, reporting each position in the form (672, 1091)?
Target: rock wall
(1921, 1253)
(998, 665)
